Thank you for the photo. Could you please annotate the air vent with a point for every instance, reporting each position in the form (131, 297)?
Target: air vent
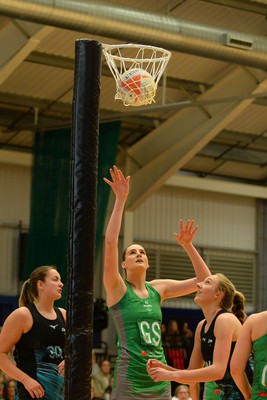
(238, 42)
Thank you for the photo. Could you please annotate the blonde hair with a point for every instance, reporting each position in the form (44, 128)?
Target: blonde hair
(232, 299)
(29, 291)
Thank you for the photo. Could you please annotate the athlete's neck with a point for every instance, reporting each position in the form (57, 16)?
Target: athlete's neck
(44, 307)
(210, 313)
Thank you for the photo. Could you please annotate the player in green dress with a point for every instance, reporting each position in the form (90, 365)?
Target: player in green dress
(135, 304)
(253, 337)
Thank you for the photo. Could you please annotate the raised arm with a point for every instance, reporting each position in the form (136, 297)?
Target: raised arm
(169, 288)
(113, 281)
(185, 239)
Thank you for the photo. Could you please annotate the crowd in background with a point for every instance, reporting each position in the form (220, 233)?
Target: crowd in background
(102, 379)
(178, 342)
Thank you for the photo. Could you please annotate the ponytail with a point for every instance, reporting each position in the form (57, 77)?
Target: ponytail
(26, 295)
(238, 307)
(232, 299)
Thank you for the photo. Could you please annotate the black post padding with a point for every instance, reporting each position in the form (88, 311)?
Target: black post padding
(82, 225)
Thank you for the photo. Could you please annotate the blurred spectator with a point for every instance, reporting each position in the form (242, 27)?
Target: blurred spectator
(182, 393)
(176, 344)
(9, 390)
(176, 356)
(189, 341)
(107, 395)
(101, 381)
(95, 366)
(186, 331)
(163, 331)
(93, 397)
(164, 340)
(1, 391)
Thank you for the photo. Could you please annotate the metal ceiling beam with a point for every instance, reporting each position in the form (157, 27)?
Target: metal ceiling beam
(187, 132)
(138, 26)
(217, 186)
(8, 100)
(234, 153)
(245, 139)
(257, 7)
(17, 42)
(68, 63)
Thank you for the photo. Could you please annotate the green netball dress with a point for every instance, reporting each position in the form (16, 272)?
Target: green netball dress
(137, 323)
(259, 387)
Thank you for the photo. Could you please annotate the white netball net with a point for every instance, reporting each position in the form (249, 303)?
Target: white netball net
(137, 70)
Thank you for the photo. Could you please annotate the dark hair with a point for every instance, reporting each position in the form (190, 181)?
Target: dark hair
(124, 253)
(232, 299)
(29, 291)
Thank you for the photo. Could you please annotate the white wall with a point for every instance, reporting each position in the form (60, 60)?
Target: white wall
(15, 181)
(225, 221)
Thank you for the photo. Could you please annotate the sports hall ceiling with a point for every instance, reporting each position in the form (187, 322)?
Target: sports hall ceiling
(208, 125)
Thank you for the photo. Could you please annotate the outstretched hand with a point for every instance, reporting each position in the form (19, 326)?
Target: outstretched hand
(119, 184)
(187, 233)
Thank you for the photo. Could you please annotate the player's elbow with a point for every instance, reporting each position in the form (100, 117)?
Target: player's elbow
(219, 372)
(220, 375)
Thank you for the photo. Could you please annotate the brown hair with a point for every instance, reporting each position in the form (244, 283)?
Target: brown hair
(232, 299)
(29, 291)
(124, 253)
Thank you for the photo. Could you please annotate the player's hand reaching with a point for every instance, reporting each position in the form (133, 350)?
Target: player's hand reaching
(187, 233)
(119, 184)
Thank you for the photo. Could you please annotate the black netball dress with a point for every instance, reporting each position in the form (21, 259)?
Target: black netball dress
(38, 353)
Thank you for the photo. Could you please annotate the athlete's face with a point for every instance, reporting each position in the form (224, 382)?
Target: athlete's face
(52, 286)
(207, 290)
(135, 256)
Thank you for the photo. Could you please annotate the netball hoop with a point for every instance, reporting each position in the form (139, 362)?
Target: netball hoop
(137, 70)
